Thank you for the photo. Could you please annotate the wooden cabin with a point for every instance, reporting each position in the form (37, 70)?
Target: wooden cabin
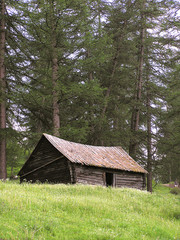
(59, 161)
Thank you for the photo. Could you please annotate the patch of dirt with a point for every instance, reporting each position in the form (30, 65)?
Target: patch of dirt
(171, 185)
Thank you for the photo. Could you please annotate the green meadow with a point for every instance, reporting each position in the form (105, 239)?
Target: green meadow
(78, 212)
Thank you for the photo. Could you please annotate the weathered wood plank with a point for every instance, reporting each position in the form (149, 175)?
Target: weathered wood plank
(96, 176)
(58, 171)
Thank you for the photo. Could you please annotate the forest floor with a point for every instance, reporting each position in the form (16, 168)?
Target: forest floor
(78, 212)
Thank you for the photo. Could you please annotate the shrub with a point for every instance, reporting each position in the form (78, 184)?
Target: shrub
(175, 191)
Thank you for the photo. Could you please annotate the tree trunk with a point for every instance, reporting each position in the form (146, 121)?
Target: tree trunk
(89, 72)
(12, 172)
(3, 173)
(99, 18)
(56, 112)
(136, 110)
(55, 94)
(149, 145)
(170, 172)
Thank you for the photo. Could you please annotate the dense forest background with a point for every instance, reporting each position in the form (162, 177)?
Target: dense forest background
(91, 71)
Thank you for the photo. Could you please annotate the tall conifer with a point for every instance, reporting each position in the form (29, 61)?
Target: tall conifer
(3, 173)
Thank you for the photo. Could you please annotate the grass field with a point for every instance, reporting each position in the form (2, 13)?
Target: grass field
(77, 212)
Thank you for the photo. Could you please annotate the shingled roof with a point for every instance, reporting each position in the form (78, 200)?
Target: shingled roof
(98, 156)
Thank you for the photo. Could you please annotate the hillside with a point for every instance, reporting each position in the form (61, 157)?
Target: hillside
(77, 212)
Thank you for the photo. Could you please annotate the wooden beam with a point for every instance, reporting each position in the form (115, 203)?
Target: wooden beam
(34, 170)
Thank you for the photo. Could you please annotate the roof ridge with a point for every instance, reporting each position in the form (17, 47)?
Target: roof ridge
(117, 146)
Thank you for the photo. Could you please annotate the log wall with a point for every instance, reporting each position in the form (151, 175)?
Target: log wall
(129, 179)
(97, 176)
(89, 175)
(38, 169)
(43, 153)
(56, 172)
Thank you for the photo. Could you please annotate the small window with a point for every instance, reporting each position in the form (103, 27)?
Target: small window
(109, 179)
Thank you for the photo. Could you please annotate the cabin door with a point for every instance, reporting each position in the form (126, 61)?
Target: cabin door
(109, 179)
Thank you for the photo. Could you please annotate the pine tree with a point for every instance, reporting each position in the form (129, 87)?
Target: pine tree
(13, 61)
(65, 44)
(135, 121)
(3, 173)
(168, 144)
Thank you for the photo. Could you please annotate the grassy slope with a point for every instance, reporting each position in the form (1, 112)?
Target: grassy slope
(86, 212)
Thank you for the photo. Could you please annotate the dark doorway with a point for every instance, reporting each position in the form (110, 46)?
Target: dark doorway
(109, 179)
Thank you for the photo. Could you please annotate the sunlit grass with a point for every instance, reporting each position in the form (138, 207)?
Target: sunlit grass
(44, 211)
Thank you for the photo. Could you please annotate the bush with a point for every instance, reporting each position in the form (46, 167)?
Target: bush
(175, 191)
